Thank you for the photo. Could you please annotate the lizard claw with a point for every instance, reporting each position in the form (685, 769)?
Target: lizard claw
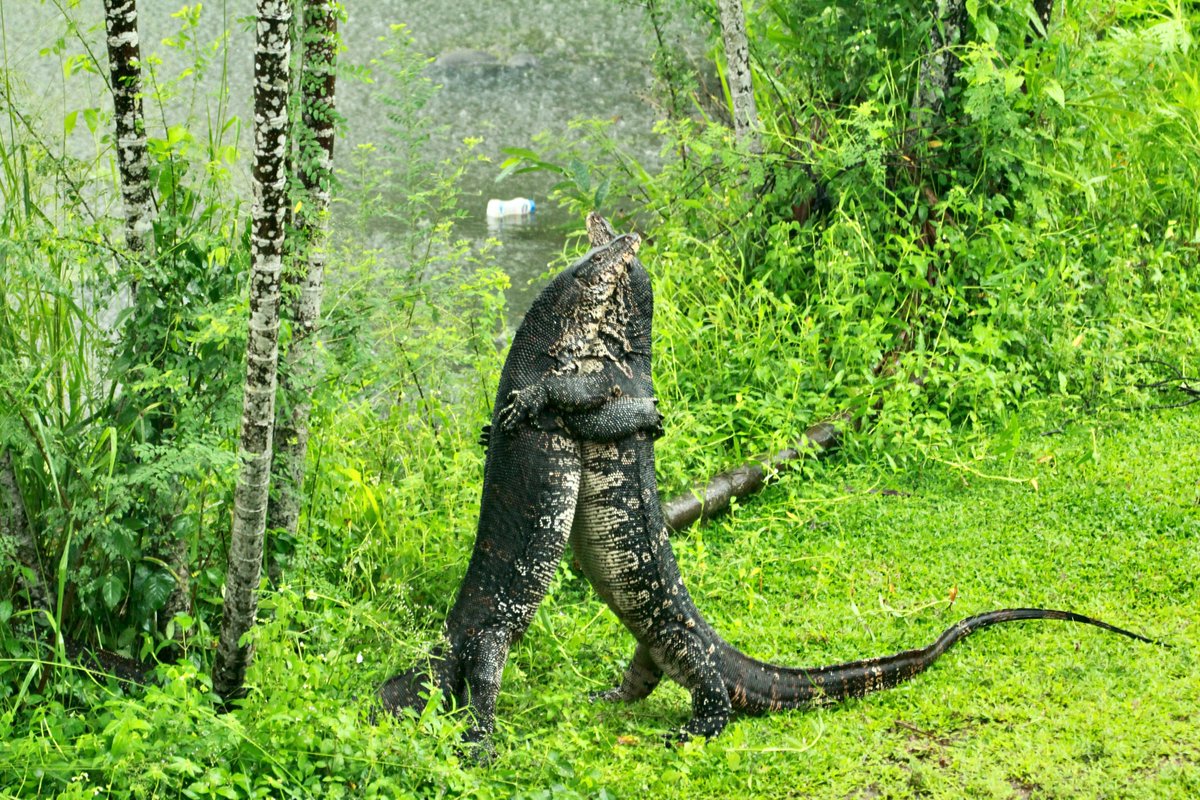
(522, 403)
(508, 417)
(606, 696)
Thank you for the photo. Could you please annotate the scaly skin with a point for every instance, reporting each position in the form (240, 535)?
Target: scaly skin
(567, 356)
(620, 539)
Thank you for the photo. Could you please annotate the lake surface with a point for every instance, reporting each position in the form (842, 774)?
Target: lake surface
(583, 58)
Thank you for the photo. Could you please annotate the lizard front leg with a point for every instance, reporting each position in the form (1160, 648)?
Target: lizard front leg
(564, 393)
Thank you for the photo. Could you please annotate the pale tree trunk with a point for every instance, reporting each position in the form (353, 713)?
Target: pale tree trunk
(124, 66)
(300, 370)
(938, 68)
(124, 59)
(271, 81)
(741, 87)
(14, 526)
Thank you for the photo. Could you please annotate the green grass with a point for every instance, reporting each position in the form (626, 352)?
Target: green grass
(823, 567)
(826, 571)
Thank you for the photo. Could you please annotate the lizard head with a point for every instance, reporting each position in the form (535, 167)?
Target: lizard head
(594, 310)
(601, 271)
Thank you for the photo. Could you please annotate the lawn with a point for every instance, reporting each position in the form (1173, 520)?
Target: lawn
(834, 562)
(1100, 517)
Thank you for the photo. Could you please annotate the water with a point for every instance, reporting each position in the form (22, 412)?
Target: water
(583, 58)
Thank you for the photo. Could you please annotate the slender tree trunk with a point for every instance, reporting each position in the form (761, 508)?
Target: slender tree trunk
(124, 59)
(741, 87)
(14, 526)
(300, 369)
(938, 68)
(271, 81)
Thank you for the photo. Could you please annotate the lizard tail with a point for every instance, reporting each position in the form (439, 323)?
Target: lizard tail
(756, 687)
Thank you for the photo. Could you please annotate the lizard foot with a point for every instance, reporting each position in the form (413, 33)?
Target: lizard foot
(614, 695)
(698, 727)
(522, 404)
(477, 749)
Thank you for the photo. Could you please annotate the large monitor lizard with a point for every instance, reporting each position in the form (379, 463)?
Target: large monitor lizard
(567, 355)
(620, 540)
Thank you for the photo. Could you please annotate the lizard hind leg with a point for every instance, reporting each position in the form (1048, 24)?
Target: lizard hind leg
(641, 676)
(481, 688)
(689, 662)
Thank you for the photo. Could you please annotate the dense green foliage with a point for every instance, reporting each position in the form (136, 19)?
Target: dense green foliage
(1054, 204)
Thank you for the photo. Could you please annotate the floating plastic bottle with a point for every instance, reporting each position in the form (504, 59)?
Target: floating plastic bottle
(517, 207)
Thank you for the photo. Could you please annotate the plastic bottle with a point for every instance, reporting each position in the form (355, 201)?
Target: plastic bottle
(517, 207)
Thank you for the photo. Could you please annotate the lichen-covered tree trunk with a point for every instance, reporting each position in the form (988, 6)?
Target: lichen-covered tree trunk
(299, 371)
(125, 75)
(133, 164)
(14, 526)
(271, 82)
(938, 68)
(741, 87)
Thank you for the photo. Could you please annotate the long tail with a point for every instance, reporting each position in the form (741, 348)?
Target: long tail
(755, 686)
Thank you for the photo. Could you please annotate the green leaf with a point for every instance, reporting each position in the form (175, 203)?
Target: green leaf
(6, 608)
(579, 174)
(69, 122)
(601, 193)
(520, 152)
(157, 589)
(1035, 20)
(988, 30)
(1054, 91)
(112, 591)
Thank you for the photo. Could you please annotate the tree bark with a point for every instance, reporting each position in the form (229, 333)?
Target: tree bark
(271, 81)
(14, 526)
(938, 68)
(300, 369)
(133, 163)
(124, 59)
(741, 87)
(707, 500)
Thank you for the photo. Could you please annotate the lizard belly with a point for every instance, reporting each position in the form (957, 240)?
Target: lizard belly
(614, 538)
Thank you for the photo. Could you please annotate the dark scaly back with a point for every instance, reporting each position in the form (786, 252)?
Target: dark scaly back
(531, 470)
(634, 376)
(581, 296)
(530, 485)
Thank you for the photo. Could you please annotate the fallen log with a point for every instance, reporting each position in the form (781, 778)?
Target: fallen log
(710, 498)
